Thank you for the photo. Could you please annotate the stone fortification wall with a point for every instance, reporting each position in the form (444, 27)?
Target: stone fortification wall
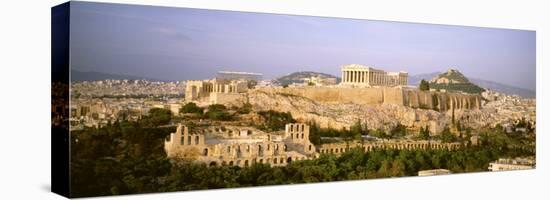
(441, 101)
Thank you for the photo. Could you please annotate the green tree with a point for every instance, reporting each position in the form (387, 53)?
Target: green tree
(398, 131)
(397, 168)
(424, 85)
(245, 109)
(191, 108)
(158, 117)
(379, 133)
(447, 136)
(424, 133)
(274, 120)
(356, 130)
(218, 112)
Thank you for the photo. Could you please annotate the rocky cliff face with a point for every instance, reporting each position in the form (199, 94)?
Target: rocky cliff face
(464, 108)
(343, 115)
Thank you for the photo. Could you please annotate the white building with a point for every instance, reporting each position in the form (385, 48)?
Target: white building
(433, 172)
(504, 164)
(364, 76)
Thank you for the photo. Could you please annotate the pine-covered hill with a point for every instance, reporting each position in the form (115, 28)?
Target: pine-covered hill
(298, 77)
(453, 80)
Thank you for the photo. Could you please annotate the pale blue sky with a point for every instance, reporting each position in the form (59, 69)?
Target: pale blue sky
(180, 44)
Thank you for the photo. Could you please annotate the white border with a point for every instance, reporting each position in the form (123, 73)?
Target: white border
(25, 85)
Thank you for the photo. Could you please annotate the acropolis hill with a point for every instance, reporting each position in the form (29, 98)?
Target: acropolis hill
(360, 85)
(378, 98)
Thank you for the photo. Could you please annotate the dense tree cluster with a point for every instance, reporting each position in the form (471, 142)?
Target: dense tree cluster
(356, 131)
(120, 158)
(245, 109)
(399, 131)
(275, 121)
(424, 133)
(218, 112)
(447, 136)
(464, 87)
(424, 85)
(191, 108)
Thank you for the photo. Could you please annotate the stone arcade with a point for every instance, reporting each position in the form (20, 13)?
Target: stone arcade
(241, 146)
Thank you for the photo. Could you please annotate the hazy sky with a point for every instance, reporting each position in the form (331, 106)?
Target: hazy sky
(180, 44)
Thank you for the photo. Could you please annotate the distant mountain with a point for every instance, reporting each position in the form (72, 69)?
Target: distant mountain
(298, 77)
(506, 89)
(94, 76)
(499, 87)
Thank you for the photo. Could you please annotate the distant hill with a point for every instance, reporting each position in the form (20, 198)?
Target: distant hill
(499, 87)
(453, 80)
(298, 77)
(94, 76)
(506, 89)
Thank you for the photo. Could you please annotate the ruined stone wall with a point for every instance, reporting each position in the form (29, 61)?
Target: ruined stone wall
(441, 101)
(235, 147)
(226, 98)
(339, 148)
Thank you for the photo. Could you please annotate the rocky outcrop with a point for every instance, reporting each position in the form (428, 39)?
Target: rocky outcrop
(384, 116)
(462, 107)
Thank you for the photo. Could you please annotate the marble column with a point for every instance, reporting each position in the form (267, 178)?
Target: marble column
(343, 80)
(346, 75)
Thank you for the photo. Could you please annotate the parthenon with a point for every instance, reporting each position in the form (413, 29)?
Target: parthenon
(364, 76)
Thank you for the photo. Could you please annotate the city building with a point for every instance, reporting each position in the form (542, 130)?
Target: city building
(363, 76)
(249, 76)
(319, 81)
(433, 172)
(504, 164)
